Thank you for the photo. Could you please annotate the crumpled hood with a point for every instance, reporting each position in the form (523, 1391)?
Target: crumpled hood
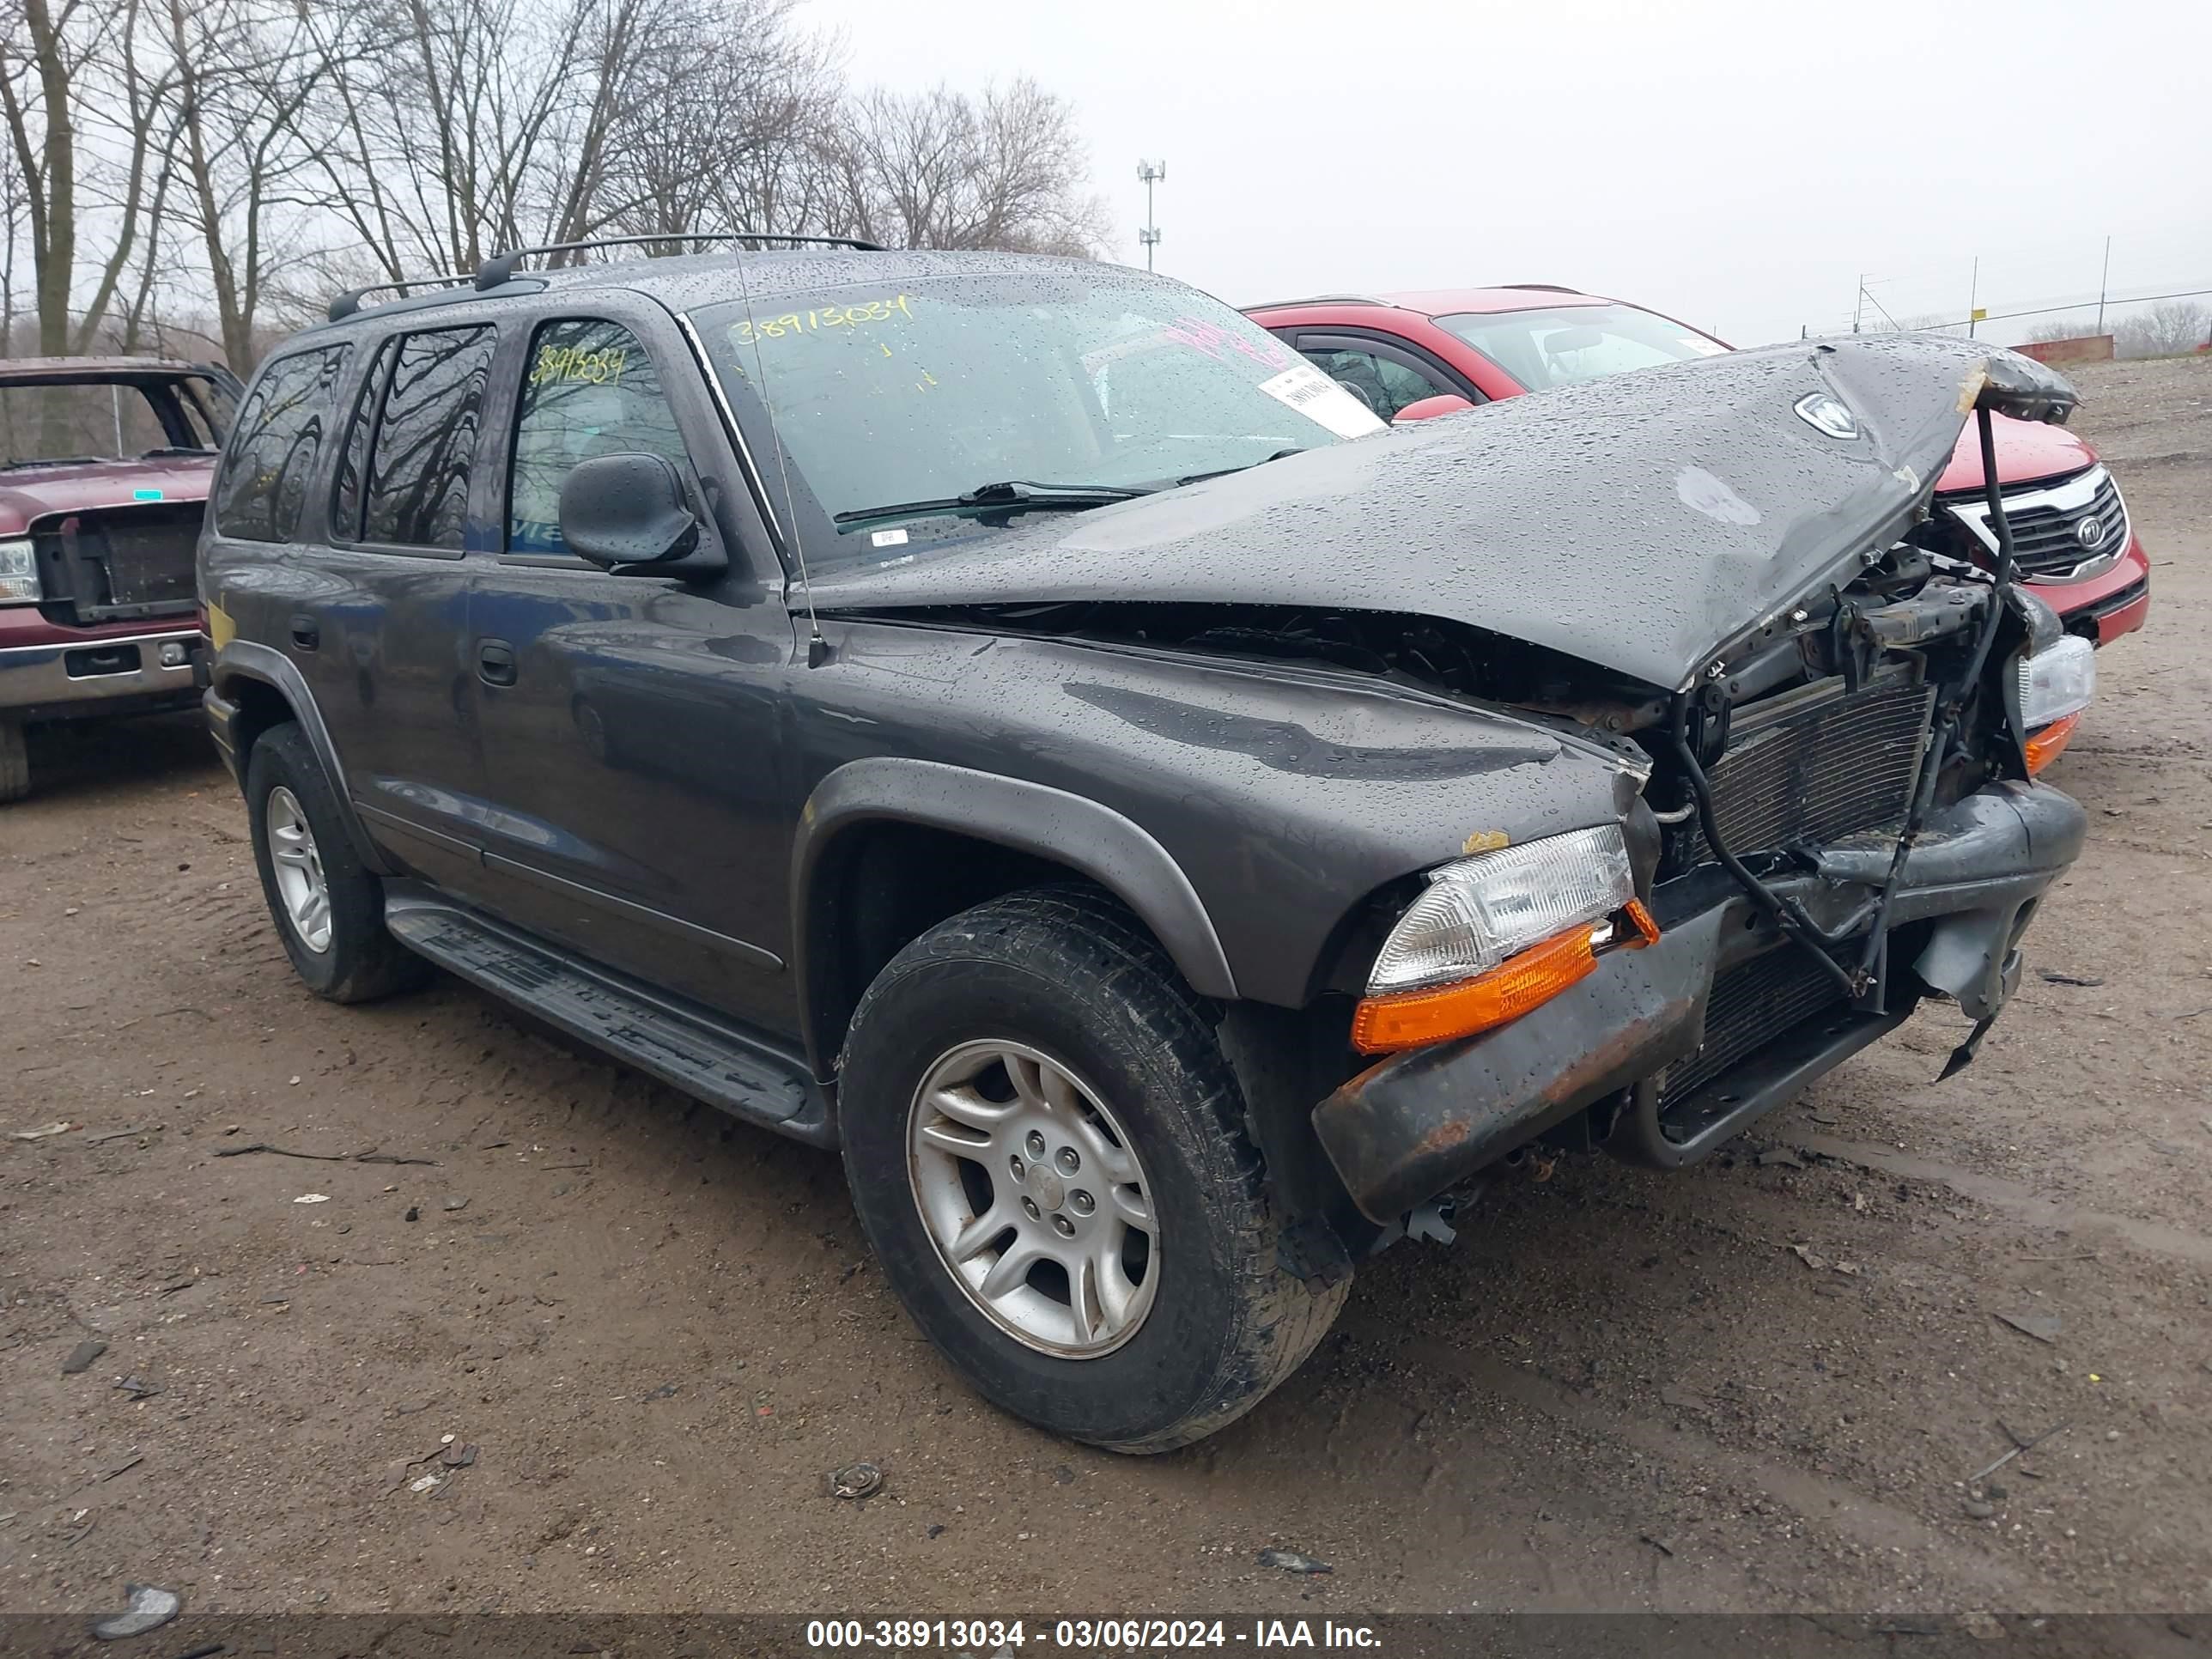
(1641, 522)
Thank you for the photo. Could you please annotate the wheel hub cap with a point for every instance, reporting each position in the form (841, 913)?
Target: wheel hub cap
(1050, 1191)
(1034, 1196)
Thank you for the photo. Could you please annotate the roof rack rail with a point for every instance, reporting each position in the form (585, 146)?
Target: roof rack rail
(502, 266)
(1543, 288)
(349, 301)
(1320, 299)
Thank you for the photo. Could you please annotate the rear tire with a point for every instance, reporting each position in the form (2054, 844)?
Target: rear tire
(14, 762)
(328, 908)
(1076, 1053)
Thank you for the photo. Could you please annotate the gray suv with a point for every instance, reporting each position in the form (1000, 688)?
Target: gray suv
(1012, 720)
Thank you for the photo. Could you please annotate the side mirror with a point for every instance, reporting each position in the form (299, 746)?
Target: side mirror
(626, 509)
(1427, 409)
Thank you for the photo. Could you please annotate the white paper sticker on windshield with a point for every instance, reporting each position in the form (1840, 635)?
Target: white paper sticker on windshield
(888, 538)
(1314, 395)
(1701, 345)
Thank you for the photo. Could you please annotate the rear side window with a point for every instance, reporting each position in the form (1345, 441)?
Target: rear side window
(279, 439)
(417, 425)
(590, 389)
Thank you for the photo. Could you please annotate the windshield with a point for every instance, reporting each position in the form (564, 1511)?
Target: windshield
(1561, 346)
(43, 425)
(911, 396)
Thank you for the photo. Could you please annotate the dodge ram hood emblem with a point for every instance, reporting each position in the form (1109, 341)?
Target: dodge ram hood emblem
(1827, 414)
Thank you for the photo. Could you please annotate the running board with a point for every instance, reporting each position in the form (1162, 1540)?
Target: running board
(681, 1045)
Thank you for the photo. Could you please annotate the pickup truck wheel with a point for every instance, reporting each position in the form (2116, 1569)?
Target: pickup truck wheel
(1046, 1149)
(329, 910)
(14, 762)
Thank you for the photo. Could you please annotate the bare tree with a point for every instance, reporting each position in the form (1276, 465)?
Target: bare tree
(14, 205)
(82, 110)
(484, 123)
(200, 168)
(2165, 330)
(942, 169)
(725, 130)
(247, 70)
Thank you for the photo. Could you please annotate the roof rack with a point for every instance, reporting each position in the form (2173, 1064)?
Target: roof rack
(349, 301)
(1543, 288)
(502, 266)
(1320, 299)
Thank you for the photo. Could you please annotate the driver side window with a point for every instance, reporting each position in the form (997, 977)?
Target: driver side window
(590, 388)
(1383, 386)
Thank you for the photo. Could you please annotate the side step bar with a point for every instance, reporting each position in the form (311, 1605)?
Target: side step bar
(683, 1045)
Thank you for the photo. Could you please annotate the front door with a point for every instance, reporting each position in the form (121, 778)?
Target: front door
(628, 720)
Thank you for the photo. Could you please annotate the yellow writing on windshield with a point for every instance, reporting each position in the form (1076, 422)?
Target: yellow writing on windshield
(898, 306)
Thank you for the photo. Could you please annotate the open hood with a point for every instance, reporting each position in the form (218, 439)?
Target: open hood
(1640, 522)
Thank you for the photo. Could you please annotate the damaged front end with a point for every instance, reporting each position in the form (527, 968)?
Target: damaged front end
(1848, 822)
(127, 563)
(1705, 577)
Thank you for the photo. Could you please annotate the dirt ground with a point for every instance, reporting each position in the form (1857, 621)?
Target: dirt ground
(1765, 1384)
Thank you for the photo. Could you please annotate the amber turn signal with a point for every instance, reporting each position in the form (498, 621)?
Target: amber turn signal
(2043, 747)
(1407, 1019)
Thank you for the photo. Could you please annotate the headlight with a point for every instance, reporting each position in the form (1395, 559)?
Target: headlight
(19, 574)
(2057, 681)
(2048, 692)
(1478, 911)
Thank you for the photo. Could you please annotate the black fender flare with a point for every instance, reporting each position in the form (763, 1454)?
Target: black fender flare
(1035, 818)
(243, 659)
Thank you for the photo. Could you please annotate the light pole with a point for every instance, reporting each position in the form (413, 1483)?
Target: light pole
(1151, 173)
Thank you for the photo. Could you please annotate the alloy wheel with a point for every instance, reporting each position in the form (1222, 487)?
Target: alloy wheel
(1034, 1197)
(300, 884)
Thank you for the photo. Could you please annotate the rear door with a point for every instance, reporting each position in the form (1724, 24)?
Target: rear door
(629, 720)
(381, 630)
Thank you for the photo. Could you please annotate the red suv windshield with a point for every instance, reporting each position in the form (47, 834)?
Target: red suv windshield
(1559, 346)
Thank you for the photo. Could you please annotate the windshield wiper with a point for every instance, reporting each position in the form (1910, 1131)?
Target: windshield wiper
(55, 460)
(1011, 492)
(1223, 471)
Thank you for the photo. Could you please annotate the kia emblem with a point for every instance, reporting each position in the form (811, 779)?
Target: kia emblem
(2090, 532)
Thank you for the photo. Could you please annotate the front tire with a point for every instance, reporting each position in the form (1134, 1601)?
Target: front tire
(328, 908)
(1048, 1151)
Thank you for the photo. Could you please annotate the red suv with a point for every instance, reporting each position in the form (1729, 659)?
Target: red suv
(1413, 355)
(104, 471)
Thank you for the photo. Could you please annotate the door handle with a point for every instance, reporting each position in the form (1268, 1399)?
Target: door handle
(495, 662)
(305, 634)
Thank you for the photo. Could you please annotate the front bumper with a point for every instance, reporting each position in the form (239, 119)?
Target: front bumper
(2106, 606)
(1422, 1121)
(97, 673)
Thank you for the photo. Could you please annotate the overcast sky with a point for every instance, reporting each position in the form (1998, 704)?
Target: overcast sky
(1735, 164)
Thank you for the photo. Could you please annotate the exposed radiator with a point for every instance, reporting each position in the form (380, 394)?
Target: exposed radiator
(1823, 764)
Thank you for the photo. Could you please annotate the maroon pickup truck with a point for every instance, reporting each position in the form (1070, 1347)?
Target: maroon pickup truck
(105, 463)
